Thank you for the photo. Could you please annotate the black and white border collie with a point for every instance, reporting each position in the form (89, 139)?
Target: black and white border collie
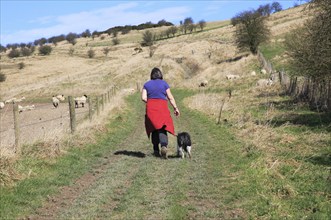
(184, 144)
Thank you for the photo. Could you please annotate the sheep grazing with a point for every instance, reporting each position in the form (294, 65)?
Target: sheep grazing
(2, 105)
(263, 71)
(55, 101)
(60, 98)
(204, 83)
(25, 108)
(264, 82)
(253, 73)
(232, 76)
(137, 50)
(80, 101)
(14, 100)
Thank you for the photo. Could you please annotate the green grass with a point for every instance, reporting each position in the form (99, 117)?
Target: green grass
(272, 49)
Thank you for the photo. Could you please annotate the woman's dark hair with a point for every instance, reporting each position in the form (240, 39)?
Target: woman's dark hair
(156, 73)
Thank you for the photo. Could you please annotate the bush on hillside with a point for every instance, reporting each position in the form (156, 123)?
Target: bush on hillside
(115, 41)
(71, 51)
(148, 38)
(2, 77)
(91, 53)
(106, 50)
(26, 52)
(40, 41)
(21, 65)
(45, 50)
(2, 49)
(309, 47)
(276, 7)
(202, 24)
(71, 38)
(251, 30)
(14, 53)
(86, 33)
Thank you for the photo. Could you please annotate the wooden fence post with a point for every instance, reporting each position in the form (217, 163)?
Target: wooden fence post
(138, 87)
(90, 111)
(17, 129)
(221, 108)
(72, 114)
(98, 105)
(102, 103)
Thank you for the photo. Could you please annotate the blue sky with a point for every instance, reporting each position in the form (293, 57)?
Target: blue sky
(25, 21)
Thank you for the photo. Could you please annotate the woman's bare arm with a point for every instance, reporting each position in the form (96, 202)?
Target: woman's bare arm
(172, 102)
(144, 95)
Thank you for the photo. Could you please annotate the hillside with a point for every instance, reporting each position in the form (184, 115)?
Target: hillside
(77, 74)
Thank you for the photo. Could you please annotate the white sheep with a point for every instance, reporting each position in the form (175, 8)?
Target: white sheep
(2, 105)
(253, 73)
(15, 100)
(264, 82)
(80, 101)
(55, 101)
(25, 108)
(60, 97)
(232, 76)
(204, 83)
(263, 71)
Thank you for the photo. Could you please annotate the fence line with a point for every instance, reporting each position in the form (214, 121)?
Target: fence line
(317, 92)
(100, 100)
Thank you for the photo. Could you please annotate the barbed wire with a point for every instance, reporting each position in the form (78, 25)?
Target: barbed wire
(48, 120)
(66, 116)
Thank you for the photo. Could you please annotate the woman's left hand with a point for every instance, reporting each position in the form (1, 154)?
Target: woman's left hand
(176, 111)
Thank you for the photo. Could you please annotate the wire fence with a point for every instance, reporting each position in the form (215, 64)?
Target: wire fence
(316, 91)
(45, 121)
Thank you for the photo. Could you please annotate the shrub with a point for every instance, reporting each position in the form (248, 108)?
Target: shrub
(2, 77)
(71, 38)
(90, 53)
(106, 50)
(25, 52)
(115, 41)
(251, 30)
(148, 38)
(2, 49)
(102, 37)
(192, 66)
(45, 50)
(14, 53)
(173, 30)
(21, 65)
(202, 24)
(71, 51)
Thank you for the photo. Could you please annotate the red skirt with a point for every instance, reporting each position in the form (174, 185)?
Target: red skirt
(158, 116)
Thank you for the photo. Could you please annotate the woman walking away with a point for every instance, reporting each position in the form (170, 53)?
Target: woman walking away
(156, 93)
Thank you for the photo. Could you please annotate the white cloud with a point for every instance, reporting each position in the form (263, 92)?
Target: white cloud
(101, 19)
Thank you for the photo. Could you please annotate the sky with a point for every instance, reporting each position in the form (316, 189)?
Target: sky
(24, 21)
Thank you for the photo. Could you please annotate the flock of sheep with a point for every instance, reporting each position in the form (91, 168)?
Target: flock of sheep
(78, 100)
(81, 101)
(259, 83)
(55, 100)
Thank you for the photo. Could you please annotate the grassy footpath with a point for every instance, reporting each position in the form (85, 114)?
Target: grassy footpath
(218, 183)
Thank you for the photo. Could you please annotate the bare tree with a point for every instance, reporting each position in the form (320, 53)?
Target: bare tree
(251, 31)
(202, 24)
